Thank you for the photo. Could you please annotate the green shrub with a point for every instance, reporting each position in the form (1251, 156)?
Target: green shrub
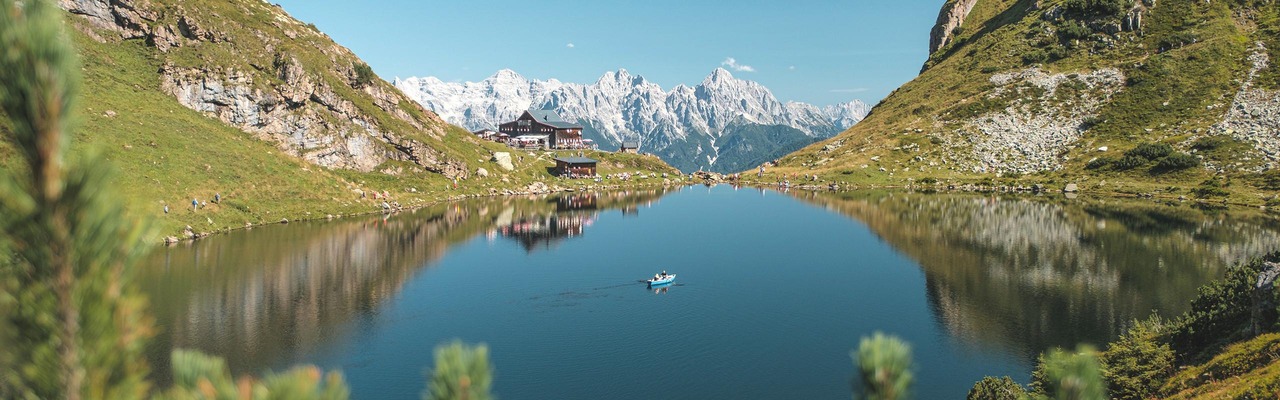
(364, 74)
(929, 180)
(1070, 375)
(1074, 31)
(1220, 314)
(1129, 162)
(884, 367)
(992, 388)
(1212, 187)
(1138, 363)
(1100, 162)
(1150, 151)
(1035, 56)
(197, 376)
(461, 372)
(1178, 39)
(1209, 143)
(1096, 8)
(1177, 161)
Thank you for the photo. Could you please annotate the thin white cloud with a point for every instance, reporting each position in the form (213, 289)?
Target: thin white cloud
(791, 68)
(570, 45)
(853, 90)
(733, 65)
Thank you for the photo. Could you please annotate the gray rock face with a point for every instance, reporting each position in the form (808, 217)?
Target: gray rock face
(122, 16)
(1254, 116)
(1029, 134)
(951, 17)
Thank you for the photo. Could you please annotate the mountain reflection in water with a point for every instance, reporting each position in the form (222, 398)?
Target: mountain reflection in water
(1029, 274)
(261, 296)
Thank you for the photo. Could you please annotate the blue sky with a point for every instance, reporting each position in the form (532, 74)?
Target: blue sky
(820, 52)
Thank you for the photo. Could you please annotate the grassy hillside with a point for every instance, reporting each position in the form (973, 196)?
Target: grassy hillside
(1025, 71)
(167, 154)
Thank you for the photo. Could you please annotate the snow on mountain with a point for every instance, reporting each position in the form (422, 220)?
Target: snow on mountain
(681, 125)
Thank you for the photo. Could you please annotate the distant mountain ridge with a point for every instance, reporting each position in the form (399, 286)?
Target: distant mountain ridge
(686, 126)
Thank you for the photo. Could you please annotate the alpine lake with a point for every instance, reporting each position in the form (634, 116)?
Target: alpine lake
(774, 289)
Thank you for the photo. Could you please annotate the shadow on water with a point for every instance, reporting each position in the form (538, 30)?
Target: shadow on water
(1031, 274)
(260, 296)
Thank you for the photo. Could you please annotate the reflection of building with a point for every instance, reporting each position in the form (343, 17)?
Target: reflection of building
(547, 127)
(544, 231)
(584, 201)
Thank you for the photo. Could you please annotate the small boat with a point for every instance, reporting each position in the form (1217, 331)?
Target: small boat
(661, 279)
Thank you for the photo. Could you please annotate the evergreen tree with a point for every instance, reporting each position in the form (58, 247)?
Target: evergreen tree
(73, 326)
(884, 368)
(197, 376)
(1063, 375)
(992, 388)
(462, 373)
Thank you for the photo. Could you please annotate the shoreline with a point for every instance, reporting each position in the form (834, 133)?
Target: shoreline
(542, 188)
(189, 235)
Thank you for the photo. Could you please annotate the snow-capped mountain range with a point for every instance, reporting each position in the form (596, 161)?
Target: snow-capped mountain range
(686, 126)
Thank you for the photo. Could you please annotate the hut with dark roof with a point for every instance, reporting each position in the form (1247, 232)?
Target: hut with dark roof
(575, 167)
(560, 134)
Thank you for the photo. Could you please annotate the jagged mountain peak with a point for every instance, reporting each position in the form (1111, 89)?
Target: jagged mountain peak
(718, 74)
(506, 74)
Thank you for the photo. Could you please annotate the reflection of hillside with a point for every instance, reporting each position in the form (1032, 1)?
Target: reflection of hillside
(257, 297)
(1028, 275)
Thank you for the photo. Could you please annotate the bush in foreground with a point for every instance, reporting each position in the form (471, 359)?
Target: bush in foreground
(992, 388)
(884, 368)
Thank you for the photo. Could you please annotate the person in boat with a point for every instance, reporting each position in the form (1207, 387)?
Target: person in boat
(655, 277)
(664, 273)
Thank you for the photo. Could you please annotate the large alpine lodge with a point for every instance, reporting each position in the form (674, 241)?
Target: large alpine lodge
(544, 128)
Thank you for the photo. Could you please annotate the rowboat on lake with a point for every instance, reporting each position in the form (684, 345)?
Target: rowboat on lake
(661, 279)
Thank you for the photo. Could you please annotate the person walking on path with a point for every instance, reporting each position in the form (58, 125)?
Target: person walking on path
(195, 204)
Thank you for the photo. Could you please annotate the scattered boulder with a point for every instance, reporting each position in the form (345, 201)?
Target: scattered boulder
(1071, 188)
(537, 187)
(170, 240)
(503, 159)
(481, 172)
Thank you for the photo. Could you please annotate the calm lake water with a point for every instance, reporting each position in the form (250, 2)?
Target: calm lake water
(774, 290)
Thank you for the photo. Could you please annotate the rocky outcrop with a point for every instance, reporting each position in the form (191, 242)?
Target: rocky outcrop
(1045, 116)
(301, 108)
(951, 17)
(131, 18)
(1254, 116)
